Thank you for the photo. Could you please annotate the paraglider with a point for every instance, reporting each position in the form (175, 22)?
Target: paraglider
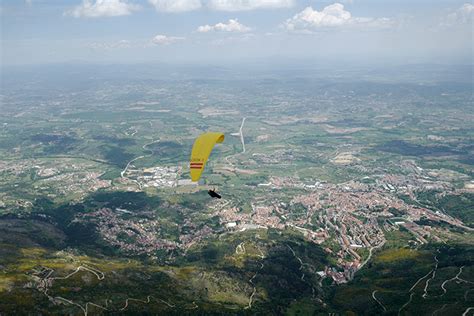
(202, 148)
(214, 194)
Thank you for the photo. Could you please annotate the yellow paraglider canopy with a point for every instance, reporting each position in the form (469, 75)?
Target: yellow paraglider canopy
(202, 148)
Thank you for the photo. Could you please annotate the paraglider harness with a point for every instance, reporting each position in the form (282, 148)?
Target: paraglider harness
(214, 194)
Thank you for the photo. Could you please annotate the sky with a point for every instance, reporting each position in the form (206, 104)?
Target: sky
(233, 31)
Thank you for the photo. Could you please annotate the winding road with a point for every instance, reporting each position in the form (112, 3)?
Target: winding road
(406, 304)
(456, 277)
(425, 294)
(419, 280)
(299, 259)
(370, 254)
(378, 302)
(313, 290)
(47, 281)
(148, 298)
(262, 256)
(122, 174)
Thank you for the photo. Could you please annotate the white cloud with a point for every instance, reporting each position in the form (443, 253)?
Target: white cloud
(231, 26)
(331, 16)
(176, 5)
(463, 15)
(100, 8)
(165, 40)
(241, 5)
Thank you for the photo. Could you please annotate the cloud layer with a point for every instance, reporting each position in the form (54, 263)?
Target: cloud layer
(331, 16)
(218, 5)
(109, 45)
(161, 39)
(243, 5)
(101, 8)
(231, 26)
(463, 15)
(176, 5)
